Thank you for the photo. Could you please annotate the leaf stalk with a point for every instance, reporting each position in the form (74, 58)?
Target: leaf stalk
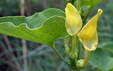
(60, 56)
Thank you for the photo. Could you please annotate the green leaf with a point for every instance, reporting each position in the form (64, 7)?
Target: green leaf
(108, 47)
(101, 60)
(91, 3)
(111, 69)
(86, 3)
(31, 28)
(34, 21)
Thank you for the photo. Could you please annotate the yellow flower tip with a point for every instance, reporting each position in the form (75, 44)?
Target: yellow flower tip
(100, 12)
(88, 34)
(73, 19)
(69, 5)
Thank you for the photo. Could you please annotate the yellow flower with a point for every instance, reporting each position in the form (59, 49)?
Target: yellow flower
(88, 34)
(73, 19)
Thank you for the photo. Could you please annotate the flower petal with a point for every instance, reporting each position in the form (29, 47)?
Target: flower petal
(88, 34)
(73, 19)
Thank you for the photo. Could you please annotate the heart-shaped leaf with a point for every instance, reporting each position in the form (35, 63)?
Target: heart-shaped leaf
(101, 60)
(34, 21)
(30, 28)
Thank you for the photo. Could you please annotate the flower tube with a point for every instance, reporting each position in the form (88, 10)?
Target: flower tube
(88, 34)
(73, 23)
(88, 37)
(73, 19)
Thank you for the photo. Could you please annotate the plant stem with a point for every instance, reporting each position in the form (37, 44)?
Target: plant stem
(70, 43)
(73, 65)
(86, 59)
(74, 43)
(82, 64)
(78, 4)
(66, 47)
(79, 50)
(74, 51)
(86, 14)
(65, 43)
(60, 55)
(72, 62)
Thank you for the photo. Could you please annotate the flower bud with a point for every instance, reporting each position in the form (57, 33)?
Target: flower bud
(80, 63)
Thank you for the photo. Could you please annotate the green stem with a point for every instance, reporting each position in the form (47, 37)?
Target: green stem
(78, 4)
(70, 42)
(86, 59)
(66, 47)
(72, 62)
(60, 55)
(74, 44)
(74, 51)
(79, 50)
(73, 65)
(65, 42)
(86, 14)
(81, 64)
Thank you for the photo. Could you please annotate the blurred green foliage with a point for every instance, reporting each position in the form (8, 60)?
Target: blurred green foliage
(41, 57)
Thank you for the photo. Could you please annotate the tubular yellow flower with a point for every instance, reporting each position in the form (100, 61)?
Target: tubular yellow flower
(73, 19)
(88, 34)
